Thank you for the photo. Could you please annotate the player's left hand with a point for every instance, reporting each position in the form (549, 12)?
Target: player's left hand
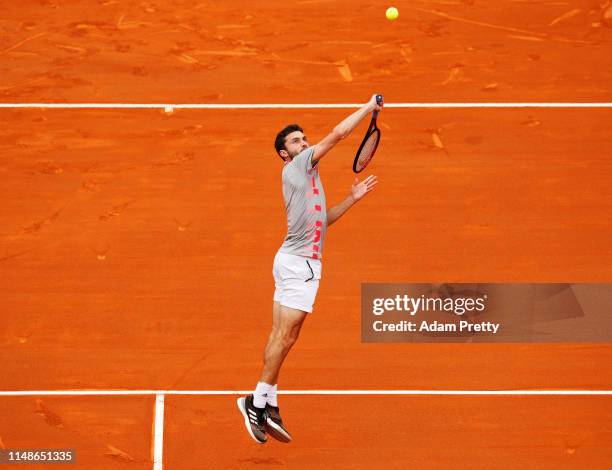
(358, 190)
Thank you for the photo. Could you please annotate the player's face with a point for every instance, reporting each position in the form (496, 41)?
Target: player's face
(295, 143)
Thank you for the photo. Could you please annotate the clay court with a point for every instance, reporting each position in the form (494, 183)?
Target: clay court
(136, 243)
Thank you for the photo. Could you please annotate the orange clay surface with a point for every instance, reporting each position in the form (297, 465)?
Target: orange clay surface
(136, 247)
(304, 51)
(352, 432)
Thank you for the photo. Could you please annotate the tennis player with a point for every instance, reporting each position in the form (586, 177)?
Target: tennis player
(297, 265)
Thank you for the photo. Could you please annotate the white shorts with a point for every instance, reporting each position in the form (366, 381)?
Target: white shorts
(297, 280)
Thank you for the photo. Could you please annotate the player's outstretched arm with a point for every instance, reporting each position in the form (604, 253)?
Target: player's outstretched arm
(358, 191)
(343, 129)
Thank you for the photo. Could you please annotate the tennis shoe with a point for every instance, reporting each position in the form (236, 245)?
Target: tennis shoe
(274, 425)
(254, 418)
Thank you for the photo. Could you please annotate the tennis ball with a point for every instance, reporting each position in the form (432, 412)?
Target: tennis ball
(168, 109)
(392, 13)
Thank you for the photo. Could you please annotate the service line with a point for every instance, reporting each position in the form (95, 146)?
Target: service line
(174, 106)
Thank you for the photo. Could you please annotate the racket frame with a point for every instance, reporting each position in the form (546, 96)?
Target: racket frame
(371, 130)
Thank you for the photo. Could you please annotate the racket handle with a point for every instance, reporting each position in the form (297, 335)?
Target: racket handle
(379, 102)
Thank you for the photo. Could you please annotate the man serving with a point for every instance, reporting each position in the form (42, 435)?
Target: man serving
(297, 264)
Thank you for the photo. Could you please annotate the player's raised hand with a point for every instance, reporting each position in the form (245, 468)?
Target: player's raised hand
(375, 103)
(360, 189)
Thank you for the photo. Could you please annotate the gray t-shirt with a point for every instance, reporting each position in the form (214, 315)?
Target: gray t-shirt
(305, 204)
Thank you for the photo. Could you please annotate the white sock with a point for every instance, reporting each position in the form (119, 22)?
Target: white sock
(272, 400)
(260, 394)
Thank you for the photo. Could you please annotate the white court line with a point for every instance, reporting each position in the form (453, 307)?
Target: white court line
(298, 392)
(158, 433)
(294, 105)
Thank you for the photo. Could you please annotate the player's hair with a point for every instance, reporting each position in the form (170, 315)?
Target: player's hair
(279, 142)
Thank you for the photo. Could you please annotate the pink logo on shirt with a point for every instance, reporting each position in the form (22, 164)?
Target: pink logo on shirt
(318, 223)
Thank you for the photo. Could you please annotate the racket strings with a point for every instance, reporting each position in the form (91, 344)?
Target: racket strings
(368, 149)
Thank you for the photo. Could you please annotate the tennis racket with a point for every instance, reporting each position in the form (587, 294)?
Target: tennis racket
(368, 146)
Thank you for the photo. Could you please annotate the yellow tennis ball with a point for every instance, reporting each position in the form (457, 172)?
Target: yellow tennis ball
(392, 13)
